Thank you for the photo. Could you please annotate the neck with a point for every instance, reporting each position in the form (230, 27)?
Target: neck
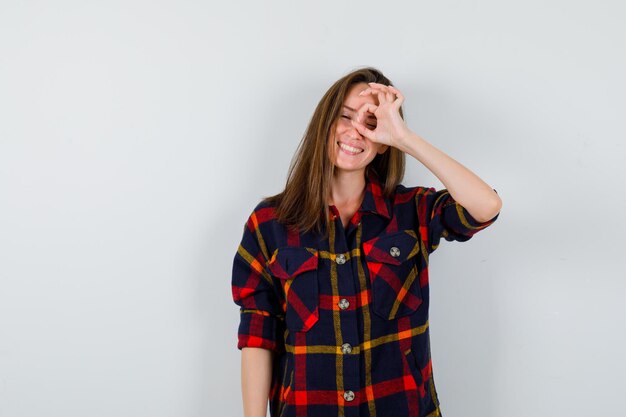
(347, 188)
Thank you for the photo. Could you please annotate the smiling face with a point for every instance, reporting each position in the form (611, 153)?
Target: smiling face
(348, 149)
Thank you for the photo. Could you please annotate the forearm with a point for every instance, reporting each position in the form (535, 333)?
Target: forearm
(464, 186)
(256, 377)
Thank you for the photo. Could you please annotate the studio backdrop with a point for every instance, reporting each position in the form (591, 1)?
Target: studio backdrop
(137, 136)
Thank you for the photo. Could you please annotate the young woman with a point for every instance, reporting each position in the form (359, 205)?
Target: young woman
(331, 275)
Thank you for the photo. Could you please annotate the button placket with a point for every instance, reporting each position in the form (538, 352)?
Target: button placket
(343, 303)
(340, 253)
(340, 259)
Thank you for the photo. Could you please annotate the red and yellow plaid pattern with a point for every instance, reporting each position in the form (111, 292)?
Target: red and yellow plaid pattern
(348, 316)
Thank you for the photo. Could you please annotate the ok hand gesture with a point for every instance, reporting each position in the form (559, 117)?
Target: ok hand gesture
(390, 127)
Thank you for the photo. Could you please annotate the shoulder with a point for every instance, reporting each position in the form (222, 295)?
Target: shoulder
(418, 200)
(412, 189)
(420, 194)
(264, 211)
(262, 222)
(409, 194)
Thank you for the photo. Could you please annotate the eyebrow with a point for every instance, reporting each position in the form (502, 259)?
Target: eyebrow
(351, 109)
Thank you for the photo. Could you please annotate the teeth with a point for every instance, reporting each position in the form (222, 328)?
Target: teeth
(350, 148)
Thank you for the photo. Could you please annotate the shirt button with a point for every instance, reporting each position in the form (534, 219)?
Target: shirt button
(346, 348)
(343, 303)
(394, 251)
(341, 259)
(348, 395)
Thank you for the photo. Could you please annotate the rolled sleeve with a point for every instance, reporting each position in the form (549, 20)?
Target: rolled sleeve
(261, 319)
(443, 217)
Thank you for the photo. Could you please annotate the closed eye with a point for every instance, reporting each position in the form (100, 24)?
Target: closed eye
(369, 125)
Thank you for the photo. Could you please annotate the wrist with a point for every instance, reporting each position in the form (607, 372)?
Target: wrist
(407, 141)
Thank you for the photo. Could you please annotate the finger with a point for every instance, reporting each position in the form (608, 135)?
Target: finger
(377, 85)
(371, 91)
(395, 91)
(372, 88)
(380, 86)
(390, 94)
(382, 97)
(400, 96)
(387, 89)
(363, 130)
(366, 107)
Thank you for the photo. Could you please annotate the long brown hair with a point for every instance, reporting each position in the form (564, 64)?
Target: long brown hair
(303, 204)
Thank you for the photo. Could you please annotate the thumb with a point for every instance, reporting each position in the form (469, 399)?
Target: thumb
(363, 130)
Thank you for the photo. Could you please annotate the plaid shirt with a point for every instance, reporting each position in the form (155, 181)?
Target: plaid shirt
(348, 316)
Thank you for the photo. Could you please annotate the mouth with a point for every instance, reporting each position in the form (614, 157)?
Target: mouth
(350, 150)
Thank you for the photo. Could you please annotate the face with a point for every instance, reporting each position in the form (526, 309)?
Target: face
(348, 149)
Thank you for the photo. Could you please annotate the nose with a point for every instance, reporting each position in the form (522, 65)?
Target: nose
(353, 133)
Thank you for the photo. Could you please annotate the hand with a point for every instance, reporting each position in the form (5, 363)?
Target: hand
(390, 127)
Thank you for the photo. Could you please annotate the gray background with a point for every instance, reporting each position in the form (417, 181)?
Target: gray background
(136, 136)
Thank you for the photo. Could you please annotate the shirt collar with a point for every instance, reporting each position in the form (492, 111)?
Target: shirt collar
(374, 201)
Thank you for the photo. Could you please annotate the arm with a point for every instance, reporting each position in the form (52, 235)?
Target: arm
(467, 204)
(480, 200)
(256, 376)
(465, 187)
(261, 327)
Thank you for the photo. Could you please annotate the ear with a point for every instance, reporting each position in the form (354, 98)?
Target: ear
(383, 149)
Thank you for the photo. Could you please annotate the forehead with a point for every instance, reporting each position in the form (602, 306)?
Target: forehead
(354, 100)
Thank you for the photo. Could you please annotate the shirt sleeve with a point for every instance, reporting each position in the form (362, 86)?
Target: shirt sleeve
(261, 318)
(439, 215)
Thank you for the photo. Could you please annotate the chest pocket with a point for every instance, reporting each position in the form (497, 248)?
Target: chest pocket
(392, 266)
(296, 267)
